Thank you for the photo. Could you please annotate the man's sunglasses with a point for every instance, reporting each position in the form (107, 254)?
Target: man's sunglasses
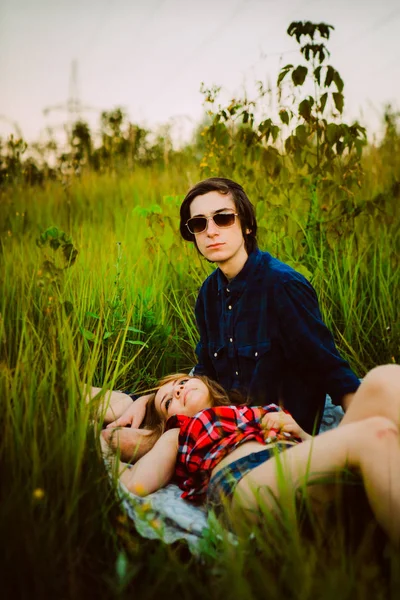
(199, 224)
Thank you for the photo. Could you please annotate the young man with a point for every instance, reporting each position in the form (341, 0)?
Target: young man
(260, 326)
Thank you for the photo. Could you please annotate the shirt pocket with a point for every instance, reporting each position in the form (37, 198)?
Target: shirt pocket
(250, 358)
(219, 358)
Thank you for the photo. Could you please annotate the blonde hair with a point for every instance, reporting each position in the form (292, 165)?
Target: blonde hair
(155, 421)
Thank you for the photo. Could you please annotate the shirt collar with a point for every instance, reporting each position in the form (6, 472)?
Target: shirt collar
(238, 283)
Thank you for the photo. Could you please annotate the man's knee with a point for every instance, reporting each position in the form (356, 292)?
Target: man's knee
(383, 379)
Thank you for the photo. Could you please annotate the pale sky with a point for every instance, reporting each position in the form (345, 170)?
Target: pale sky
(151, 56)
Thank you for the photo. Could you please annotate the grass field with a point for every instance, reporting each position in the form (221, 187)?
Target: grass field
(119, 313)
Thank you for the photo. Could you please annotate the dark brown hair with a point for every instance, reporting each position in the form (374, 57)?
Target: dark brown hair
(244, 208)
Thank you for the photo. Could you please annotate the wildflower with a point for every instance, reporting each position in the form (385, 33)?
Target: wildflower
(122, 519)
(146, 507)
(156, 524)
(38, 494)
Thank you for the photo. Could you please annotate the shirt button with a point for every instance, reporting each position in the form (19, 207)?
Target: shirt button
(256, 354)
(230, 307)
(237, 372)
(215, 354)
(228, 290)
(231, 340)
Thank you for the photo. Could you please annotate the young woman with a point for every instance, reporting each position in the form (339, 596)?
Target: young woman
(227, 455)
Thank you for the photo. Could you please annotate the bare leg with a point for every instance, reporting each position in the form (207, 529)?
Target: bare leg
(112, 406)
(370, 446)
(378, 395)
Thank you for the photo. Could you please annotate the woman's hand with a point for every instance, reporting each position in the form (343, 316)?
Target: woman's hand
(134, 414)
(281, 422)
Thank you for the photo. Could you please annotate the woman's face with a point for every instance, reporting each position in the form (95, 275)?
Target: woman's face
(183, 396)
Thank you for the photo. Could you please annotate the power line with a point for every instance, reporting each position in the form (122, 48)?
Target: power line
(144, 26)
(217, 31)
(147, 22)
(375, 26)
(96, 31)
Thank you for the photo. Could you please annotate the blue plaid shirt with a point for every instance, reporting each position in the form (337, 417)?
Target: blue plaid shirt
(262, 333)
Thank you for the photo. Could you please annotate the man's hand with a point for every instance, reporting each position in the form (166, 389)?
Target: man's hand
(134, 414)
(279, 422)
(132, 443)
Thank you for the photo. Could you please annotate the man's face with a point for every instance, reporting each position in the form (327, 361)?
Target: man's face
(215, 243)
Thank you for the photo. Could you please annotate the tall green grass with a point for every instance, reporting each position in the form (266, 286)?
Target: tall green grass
(122, 316)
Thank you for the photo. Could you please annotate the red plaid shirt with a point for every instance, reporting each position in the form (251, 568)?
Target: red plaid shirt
(210, 435)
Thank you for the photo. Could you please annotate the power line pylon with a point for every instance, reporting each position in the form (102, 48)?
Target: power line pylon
(73, 107)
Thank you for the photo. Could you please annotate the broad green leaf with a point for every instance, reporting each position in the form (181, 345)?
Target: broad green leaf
(301, 134)
(140, 211)
(265, 128)
(330, 71)
(275, 130)
(317, 74)
(338, 82)
(136, 343)
(332, 133)
(339, 101)
(284, 116)
(339, 147)
(283, 73)
(270, 157)
(134, 329)
(90, 314)
(55, 244)
(52, 232)
(299, 74)
(324, 98)
(88, 335)
(305, 109)
(107, 335)
(323, 29)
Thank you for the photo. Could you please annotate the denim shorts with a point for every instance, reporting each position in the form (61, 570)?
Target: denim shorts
(222, 486)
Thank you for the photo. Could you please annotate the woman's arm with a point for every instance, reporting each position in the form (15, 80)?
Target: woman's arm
(155, 469)
(111, 406)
